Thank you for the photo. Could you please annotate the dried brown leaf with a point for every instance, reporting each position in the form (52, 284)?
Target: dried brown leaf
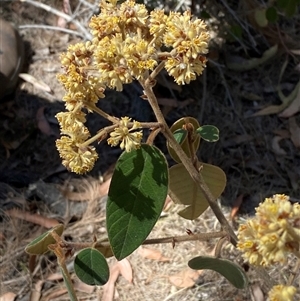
(36, 291)
(152, 254)
(33, 218)
(126, 269)
(39, 84)
(276, 147)
(293, 108)
(236, 206)
(83, 287)
(185, 278)
(9, 296)
(109, 287)
(57, 293)
(43, 123)
(257, 293)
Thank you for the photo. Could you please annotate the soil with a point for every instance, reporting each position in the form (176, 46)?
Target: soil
(259, 154)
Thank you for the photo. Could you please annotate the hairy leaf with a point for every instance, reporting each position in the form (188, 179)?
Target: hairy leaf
(136, 198)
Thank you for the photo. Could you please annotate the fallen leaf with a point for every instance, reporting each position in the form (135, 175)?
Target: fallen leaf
(295, 131)
(43, 123)
(276, 147)
(83, 287)
(270, 110)
(236, 206)
(257, 293)
(294, 106)
(285, 134)
(43, 221)
(54, 295)
(15, 143)
(35, 82)
(62, 22)
(109, 287)
(36, 291)
(185, 278)
(152, 254)
(168, 204)
(9, 296)
(126, 269)
(240, 64)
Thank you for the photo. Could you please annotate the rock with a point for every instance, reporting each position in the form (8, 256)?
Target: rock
(11, 57)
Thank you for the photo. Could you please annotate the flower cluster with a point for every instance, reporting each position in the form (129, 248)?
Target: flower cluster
(273, 233)
(129, 140)
(128, 43)
(282, 293)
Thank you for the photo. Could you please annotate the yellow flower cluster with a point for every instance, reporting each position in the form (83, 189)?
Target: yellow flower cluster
(122, 134)
(272, 233)
(282, 293)
(128, 42)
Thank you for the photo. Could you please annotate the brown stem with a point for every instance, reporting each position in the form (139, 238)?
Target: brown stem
(105, 131)
(195, 175)
(163, 240)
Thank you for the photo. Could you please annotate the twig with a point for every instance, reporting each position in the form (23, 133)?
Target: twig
(48, 27)
(162, 240)
(195, 175)
(56, 12)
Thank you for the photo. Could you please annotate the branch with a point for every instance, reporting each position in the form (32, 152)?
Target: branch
(56, 12)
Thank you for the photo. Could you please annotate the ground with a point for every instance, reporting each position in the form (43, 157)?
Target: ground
(258, 152)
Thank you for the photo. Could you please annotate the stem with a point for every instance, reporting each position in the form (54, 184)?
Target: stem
(195, 175)
(67, 280)
(105, 131)
(162, 240)
(61, 259)
(156, 71)
(101, 113)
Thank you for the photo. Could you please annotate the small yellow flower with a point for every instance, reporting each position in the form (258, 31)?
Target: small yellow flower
(282, 293)
(273, 233)
(75, 157)
(129, 140)
(184, 69)
(157, 25)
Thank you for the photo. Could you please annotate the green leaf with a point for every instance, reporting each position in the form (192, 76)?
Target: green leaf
(180, 135)
(209, 133)
(291, 8)
(271, 14)
(282, 3)
(40, 244)
(183, 190)
(231, 271)
(260, 17)
(236, 31)
(136, 197)
(91, 267)
(180, 125)
(205, 15)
